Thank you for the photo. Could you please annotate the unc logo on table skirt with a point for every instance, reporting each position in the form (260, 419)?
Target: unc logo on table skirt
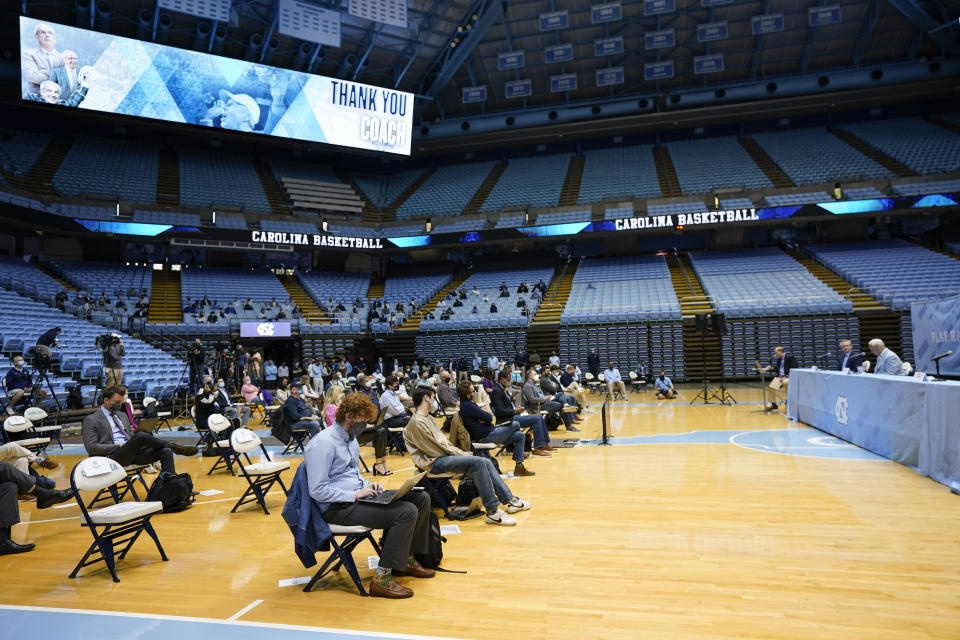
(840, 409)
(265, 329)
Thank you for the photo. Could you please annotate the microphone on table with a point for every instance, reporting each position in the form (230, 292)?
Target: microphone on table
(941, 356)
(862, 354)
(826, 355)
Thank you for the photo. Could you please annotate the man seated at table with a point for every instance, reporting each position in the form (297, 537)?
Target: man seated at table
(480, 425)
(781, 364)
(664, 387)
(888, 362)
(848, 358)
(333, 475)
(432, 451)
(108, 432)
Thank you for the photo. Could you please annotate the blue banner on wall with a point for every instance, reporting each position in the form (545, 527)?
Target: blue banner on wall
(607, 12)
(558, 53)
(658, 70)
(608, 46)
(474, 94)
(657, 7)
(820, 16)
(554, 20)
(708, 64)
(518, 88)
(936, 330)
(563, 82)
(130, 77)
(662, 39)
(511, 60)
(770, 23)
(712, 31)
(609, 77)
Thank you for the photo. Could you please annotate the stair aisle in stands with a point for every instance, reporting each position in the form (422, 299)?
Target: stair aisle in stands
(376, 288)
(271, 188)
(311, 312)
(56, 276)
(165, 301)
(776, 175)
(412, 323)
(168, 177)
(40, 177)
(862, 300)
(888, 162)
(551, 308)
(946, 124)
(390, 213)
(484, 190)
(571, 184)
(666, 174)
(701, 353)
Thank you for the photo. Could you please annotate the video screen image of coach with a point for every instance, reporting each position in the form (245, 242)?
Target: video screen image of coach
(72, 67)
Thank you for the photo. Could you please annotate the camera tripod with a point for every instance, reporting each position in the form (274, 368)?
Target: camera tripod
(42, 375)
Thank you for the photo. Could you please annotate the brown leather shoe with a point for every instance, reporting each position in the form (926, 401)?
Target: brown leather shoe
(183, 449)
(547, 447)
(393, 590)
(542, 453)
(416, 570)
(521, 470)
(49, 464)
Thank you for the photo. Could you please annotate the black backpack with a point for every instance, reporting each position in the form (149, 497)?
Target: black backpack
(281, 426)
(444, 488)
(553, 421)
(431, 559)
(466, 493)
(74, 398)
(174, 490)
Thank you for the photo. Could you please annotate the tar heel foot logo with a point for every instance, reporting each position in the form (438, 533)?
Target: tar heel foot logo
(840, 410)
(265, 329)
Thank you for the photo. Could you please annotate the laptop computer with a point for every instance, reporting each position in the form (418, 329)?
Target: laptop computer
(389, 495)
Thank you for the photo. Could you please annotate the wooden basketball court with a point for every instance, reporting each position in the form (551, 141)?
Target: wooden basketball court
(698, 522)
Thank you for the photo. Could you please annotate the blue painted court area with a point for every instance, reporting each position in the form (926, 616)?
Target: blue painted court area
(42, 622)
(804, 442)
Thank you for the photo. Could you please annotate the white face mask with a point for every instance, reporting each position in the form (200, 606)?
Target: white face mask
(434, 406)
(222, 385)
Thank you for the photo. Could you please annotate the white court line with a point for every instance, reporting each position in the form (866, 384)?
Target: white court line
(244, 610)
(236, 623)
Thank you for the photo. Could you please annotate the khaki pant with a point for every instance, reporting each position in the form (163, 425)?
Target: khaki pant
(114, 377)
(17, 456)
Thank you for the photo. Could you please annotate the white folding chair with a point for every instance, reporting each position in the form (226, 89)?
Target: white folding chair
(20, 425)
(36, 415)
(217, 424)
(163, 417)
(260, 476)
(114, 528)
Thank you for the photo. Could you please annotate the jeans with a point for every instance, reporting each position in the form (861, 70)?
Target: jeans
(313, 426)
(493, 491)
(405, 524)
(540, 438)
(144, 448)
(503, 435)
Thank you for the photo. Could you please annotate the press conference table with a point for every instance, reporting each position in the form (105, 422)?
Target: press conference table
(909, 421)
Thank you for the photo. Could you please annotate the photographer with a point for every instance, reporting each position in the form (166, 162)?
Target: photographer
(47, 340)
(195, 357)
(113, 354)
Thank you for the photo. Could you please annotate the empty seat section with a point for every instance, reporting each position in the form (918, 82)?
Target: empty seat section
(620, 172)
(330, 289)
(632, 289)
(446, 192)
(229, 285)
(383, 189)
(208, 179)
(764, 282)
(534, 182)
(801, 154)
(122, 169)
(922, 146)
(704, 165)
(19, 150)
(487, 283)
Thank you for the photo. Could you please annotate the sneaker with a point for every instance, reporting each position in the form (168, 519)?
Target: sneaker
(517, 505)
(150, 469)
(500, 518)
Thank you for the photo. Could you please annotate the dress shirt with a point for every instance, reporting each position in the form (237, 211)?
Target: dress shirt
(612, 375)
(315, 371)
(333, 473)
(493, 363)
(664, 384)
(119, 435)
(555, 360)
(392, 404)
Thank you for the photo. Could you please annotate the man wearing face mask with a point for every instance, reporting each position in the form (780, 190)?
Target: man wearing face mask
(432, 451)
(108, 432)
(227, 407)
(538, 402)
(480, 425)
(19, 384)
(395, 415)
(445, 394)
(333, 476)
(297, 413)
(664, 386)
(503, 409)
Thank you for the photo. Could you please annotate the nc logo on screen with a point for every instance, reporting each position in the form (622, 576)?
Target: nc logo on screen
(265, 329)
(841, 409)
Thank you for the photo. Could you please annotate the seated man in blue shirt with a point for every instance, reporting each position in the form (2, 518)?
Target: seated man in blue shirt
(614, 380)
(297, 414)
(664, 387)
(19, 384)
(333, 475)
(480, 425)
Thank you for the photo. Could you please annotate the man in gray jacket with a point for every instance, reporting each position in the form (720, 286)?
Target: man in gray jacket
(536, 401)
(108, 432)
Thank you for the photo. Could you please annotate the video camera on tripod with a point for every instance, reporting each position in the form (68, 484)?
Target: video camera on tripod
(104, 340)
